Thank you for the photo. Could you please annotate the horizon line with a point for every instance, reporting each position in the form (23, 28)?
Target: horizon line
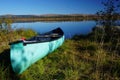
(50, 14)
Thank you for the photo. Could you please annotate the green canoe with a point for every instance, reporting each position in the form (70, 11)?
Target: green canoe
(23, 53)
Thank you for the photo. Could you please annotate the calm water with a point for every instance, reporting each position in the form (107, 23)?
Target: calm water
(69, 28)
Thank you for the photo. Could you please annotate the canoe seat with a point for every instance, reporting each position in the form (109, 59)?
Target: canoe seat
(50, 35)
(42, 38)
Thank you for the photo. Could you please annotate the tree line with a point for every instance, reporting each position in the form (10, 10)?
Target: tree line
(70, 17)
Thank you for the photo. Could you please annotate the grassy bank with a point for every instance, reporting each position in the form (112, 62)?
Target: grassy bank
(13, 35)
(80, 58)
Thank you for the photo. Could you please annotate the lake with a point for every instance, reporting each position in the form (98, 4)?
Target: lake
(69, 28)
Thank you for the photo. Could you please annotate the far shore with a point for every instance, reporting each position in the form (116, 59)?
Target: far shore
(52, 18)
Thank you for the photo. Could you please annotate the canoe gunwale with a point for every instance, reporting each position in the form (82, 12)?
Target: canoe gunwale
(15, 42)
(32, 42)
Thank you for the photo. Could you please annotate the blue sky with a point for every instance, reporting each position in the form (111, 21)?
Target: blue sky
(18, 7)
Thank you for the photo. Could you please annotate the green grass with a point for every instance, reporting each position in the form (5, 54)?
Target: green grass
(81, 59)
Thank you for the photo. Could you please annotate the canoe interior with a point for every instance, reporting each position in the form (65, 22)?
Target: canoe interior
(46, 37)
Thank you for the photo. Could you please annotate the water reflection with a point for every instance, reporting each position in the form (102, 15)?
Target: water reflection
(69, 28)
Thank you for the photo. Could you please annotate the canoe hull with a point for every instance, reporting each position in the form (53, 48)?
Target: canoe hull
(22, 56)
